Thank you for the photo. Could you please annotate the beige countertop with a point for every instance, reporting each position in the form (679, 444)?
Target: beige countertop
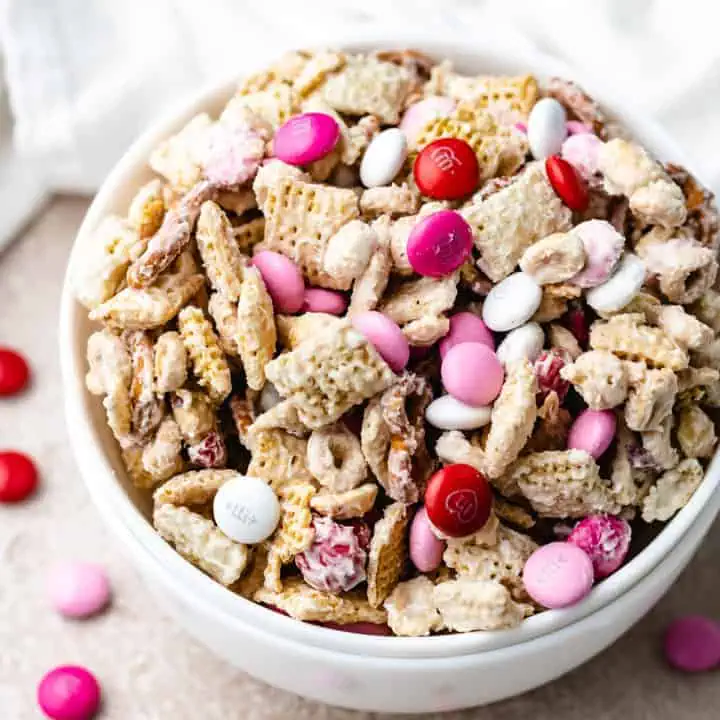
(151, 670)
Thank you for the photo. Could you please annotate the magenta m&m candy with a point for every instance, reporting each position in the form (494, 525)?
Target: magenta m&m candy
(446, 169)
(458, 501)
(692, 643)
(69, 692)
(466, 327)
(385, 336)
(319, 300)
(472, 374)
(606, 541)
(14, 372)
(306, 138)
(78, 589)
(18, 477)
(283, 280)
(567, 183)
(439, 244)
(558, 575)
(592, 431)
(425, 549)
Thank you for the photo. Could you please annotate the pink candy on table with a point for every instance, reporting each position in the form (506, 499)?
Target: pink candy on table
(472, 374)
(426, 549)
(385, 336)
(306, 138)
(439, 244)
(78, 589)
(692, 643)
(69, 692)
(606, 541)
(421, 113)
(466, 327)
(324, 301)
(283, 280)
(593, 431)
(582, 152)
(558, 575)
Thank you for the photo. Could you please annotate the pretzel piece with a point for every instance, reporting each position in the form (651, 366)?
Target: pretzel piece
(147, 410)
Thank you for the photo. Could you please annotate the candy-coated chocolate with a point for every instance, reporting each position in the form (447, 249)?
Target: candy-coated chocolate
(246, 509)
(78, 589)
(603, 246)
(458, 501)
(439, 243)
(622, 286)
(419, 114)
(582, 152)
(575, 127)
(446, 169)
(383, 158)
(14, 372)
(283, 280)
(605, 539)
(324, 301)
(385, 336)
(692, 643)
(512, 302)
(546, 128)
(306, 138)
(472, 374)
(523, 343)
(567, 183)
(558, 575)
(593, 431)
(69, 692)
(18, 477)
(448, 413)
(466, 327)
(425, 549)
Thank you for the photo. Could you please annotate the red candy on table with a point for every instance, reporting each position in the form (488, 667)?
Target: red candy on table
(567, 183)
(447, 169)
(14, 372)
(18, 477)
(458, 500)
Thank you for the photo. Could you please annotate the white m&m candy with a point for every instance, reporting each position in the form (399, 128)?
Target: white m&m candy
(448, 413)
(512, 302)
(523, 343)
(624, 284)
(383, 158)
(246, 509)
(546, 129)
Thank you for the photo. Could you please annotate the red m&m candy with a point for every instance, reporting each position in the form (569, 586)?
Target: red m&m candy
(446, 169)
(14, 372)
(458, 500)
(566, 182)
(18, 477)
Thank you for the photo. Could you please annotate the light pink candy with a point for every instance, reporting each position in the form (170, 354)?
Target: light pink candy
(78, 589)
(692, 643)
(603, 248)
(385, 336)
(558, 574)
(606, 541)
(283, 280)
(324, 301)
(439, 243)
(575, 127)
(472, 374)
(466, 327)
(306, 138)
(421, 113)
(593, 431)
(426, 550)
(69, 692)
(583, 153)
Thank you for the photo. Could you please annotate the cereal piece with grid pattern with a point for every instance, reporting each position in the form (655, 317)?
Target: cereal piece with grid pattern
(672, 491)
(388, 549)
(278, 457)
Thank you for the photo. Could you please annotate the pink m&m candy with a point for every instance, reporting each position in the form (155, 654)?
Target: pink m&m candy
(324, 301)
(421, 113)
(472, 374)
(466, 327)
(692, 643)
(69, 692)
(385, 336)
(439, 244)
(306, 138)
(78, 589)
(606, 541)
(283, 280)
(593, 431)
(426, 549)
(558, 575)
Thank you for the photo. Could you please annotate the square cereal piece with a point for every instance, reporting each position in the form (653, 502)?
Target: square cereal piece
(388, 550)
(278, 457)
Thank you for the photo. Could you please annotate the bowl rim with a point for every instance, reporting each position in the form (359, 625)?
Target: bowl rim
(127, 520)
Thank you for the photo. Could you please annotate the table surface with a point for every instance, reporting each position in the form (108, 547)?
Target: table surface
(148, 667)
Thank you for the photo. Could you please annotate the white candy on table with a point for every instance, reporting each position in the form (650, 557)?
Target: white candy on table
(383, 158)
(546, 130)
(622, 286)
(525, 342)
(448, 413)
(246, 509)
(512, 302)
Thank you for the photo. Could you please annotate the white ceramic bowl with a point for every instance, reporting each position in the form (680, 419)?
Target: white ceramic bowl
(363, 672)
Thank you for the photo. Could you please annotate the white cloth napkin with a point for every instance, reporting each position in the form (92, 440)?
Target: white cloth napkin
(85, 78)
